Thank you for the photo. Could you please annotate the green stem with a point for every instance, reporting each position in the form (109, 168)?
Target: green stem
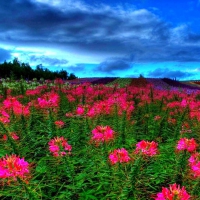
(12, 143)
(129, 190)
(29, 191)
(196, 187)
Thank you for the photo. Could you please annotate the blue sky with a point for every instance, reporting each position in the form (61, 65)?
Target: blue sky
(92, 38)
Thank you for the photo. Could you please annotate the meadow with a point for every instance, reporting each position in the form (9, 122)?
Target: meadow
(113, 139)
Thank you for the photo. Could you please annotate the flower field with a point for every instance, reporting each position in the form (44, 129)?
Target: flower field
(99, 139)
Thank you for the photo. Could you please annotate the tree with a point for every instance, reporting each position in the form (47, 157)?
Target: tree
(18, 70)
(71, 76)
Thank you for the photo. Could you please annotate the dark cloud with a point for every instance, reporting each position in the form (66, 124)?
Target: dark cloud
(192, 37)
(96, 31)
(114, 65)
(4, 55)
(167, 73)
(48, 60)
(187, 54)
(81, 69)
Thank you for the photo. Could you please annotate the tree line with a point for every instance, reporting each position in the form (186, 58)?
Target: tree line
(17, 70)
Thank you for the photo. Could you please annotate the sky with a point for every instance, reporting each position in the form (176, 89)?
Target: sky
(107, 38)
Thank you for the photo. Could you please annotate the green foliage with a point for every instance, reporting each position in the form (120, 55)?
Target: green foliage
(86, 173)
(120, 82)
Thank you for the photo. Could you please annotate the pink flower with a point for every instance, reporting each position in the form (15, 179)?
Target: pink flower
(174, 192)
(157, 117)
(58, 81)
(171, 121)
(59, 123)
(185, 128)
(119, 155)
(70, 98)
(184, 103)
(80, 110)
(20, 109)
(49, 100)
(102, 133)
(17, 108)
(58, 146)
(5, 118)
(187, 144)
(13, 135)
(194, 163)
(69, 115)
(146, 148)
(13, 166)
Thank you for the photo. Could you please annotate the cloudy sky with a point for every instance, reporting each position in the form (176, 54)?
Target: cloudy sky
(93, 38)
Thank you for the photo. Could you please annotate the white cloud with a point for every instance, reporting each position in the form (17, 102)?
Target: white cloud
(179, 33)
(65, 4)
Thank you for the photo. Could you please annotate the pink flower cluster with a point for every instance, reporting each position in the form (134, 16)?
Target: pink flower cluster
(187, 144)
(143, 148)
(59, 123)
(194, 163)
(49, 100)
(119, 155)
(13, 167)
(5, 117)
(12, 104)
(157, 118)
(59, 146)
(102, 133)
(185, 128)
(80, 110)
(13, 135)
(146, 148)
(174, 192)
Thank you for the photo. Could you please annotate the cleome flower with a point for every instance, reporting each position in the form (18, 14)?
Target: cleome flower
(174, 192)
(59, 124)
(59, 146)
(194, 163)
(102, 134)
(146, 148)
(4, 117)
(187, 144)
(119, 155)
(12, 167)
(13, 135)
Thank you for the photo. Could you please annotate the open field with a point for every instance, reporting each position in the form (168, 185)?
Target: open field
(101, 138)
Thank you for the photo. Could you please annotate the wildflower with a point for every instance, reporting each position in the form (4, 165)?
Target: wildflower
(194, 163)
(102, 133)
(185, 128)
(59, 146)
(187, 144)
(157, 117)
(49, 100)
(13, 167)
(184, 103)
(119, 155)
(70, 98)
(59, 81)
(174, 192)
(20, 109)
(80, 110)
(69, 115)
(17, 108)
(5, 117)
(146, 148)
(59, 123)
(171, 121)
(13, 135)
